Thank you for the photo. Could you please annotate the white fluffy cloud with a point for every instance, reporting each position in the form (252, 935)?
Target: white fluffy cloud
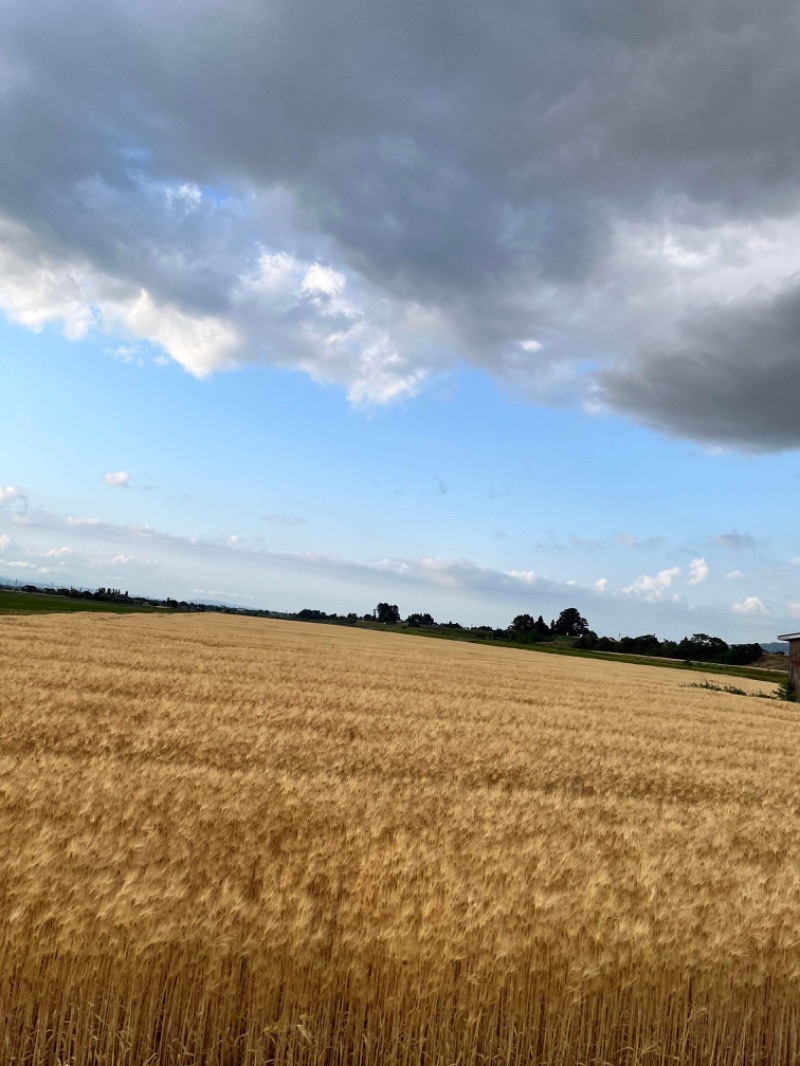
(5, 540)
(752, 606)
(10, 493)
(601, 584)
(120, 479)
(57, 553)
(652, 588)
(734, 575)
(698, 572)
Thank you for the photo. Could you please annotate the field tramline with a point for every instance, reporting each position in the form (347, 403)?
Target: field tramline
(229, 841)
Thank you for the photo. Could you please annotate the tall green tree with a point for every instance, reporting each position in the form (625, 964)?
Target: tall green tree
(387, 613)
(570, 623)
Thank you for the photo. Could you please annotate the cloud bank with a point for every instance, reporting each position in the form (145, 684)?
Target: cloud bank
(598, 210)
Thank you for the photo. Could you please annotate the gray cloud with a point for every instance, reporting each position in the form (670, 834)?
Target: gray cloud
(592, 209)
(731, 367)
(734, 540)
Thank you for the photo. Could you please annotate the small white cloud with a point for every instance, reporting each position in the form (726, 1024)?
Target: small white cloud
(530, 345)
(20, 564)
(119, 479)
(734, 575)
(234, 539)
(601, 584)
(525, 577)
(121, 560)
(14, 498)
(132, 354)
(653, 588)
(5, 540)
(73, 520)
(56, 553)
(751, 606)
(698, 572)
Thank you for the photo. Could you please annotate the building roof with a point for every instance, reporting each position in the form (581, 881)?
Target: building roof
(790, 636)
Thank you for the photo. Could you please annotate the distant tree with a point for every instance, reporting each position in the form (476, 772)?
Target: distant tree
(588, 640)
(542, 628)
(701, 647)
(523, 624)
(646, 644)
(388, 613)
(742, 654)
(570, 623)
(420, 620)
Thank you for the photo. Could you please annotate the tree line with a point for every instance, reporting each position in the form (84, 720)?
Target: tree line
(527, 629)
(700, 647)
(523, 629)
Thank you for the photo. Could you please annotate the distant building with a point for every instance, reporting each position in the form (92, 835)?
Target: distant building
(794, 659)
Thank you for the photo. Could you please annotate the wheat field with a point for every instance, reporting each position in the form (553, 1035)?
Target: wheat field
(235, 841)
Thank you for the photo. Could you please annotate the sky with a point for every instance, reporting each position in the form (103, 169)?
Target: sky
(476, 309)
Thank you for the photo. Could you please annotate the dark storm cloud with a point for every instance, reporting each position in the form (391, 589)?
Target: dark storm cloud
(475, 177)
(734, 378)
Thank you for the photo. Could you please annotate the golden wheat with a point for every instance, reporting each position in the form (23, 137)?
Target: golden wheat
(230, 841)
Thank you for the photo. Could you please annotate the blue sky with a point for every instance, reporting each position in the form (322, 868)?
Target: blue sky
(303, 310)
(296, 499)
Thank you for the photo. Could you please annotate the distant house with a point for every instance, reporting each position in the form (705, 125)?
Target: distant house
(794, 659)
